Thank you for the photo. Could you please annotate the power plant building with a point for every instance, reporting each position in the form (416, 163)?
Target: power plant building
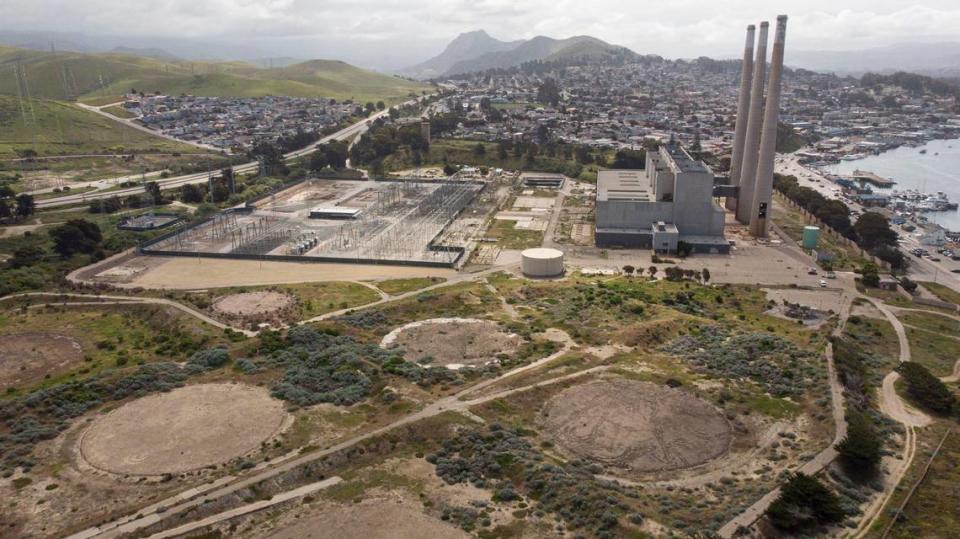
(668, 202)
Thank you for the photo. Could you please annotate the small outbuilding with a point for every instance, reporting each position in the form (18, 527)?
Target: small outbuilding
(542, 262)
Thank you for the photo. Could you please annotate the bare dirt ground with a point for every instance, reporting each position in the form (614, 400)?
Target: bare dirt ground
(185, 429)
(28, 357)
(818, 298)
(188, 273)
(263, 302)
(636, 426)
(372, 518)
(453, 342)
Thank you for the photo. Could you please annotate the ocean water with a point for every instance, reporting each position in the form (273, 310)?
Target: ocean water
(936, 170)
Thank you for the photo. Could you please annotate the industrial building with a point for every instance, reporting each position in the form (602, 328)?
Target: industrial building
(668, 202)
(541, 180)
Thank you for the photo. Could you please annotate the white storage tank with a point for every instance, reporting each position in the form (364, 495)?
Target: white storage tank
(542, 262)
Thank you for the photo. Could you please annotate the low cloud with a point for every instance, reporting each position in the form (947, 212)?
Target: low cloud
(390, 33)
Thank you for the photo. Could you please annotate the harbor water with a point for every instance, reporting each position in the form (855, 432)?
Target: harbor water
(932, 167)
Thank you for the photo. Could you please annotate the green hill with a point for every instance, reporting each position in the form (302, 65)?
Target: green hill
(95, 76)
(64, 129)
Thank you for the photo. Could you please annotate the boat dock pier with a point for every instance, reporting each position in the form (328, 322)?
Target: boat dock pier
(870, 177)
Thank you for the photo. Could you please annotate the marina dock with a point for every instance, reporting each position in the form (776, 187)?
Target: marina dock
(870, 177)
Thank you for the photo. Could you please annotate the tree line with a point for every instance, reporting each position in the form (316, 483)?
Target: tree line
(871, 231)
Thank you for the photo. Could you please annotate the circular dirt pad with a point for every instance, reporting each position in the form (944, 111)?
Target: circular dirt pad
(251, 303)
(185, 429)
(636, 425)
(454, 342)
(27, 357)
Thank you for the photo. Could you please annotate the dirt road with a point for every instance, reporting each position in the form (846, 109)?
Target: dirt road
(822, 459)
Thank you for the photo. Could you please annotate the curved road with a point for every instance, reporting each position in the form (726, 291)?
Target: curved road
(200, 177)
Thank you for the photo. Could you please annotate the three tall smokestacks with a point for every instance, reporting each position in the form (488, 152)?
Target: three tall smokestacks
(755, 139)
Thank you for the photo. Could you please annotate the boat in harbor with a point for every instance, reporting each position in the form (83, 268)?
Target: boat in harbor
(915, 201)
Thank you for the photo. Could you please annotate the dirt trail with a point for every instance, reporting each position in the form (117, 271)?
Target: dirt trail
(821, 459)
(893, 406)
(454, 403)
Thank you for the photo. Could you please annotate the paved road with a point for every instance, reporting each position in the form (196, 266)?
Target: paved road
(921, 269)
(200, 177)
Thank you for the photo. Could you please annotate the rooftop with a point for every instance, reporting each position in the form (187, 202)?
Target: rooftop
(683, 161)
(623, 185)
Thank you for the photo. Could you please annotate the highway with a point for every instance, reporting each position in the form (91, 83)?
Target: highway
(200, 177)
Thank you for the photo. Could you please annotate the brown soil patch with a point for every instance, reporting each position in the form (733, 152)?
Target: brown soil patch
(185, 429)
(453, 342)
(191, 273)
(369, 519)
(253, 303)
(637, 426)
(28, 357)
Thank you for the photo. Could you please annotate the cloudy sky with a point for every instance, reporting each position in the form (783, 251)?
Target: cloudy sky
(394, 33)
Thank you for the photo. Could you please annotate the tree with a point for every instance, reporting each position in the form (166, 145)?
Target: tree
(874, 231)
(653, 271)
(870, 275)
(25, 205)
(629, 159)
(548, 92)
(192, 193)
(628, 269)
(76, 236)
(336, 153)
(908, 285)
(152, 190)
(891, 255)
(381, 105)
(836, 215)
(804, 501)
(583, 155)
(684, 249)
(502, 150)
(706, 275)
(27, 255)
(926, 389)
(860, 449)
(318, 161)
(479, 150)
(106, 205)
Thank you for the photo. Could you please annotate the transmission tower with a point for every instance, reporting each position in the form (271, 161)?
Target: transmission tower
(23, 94)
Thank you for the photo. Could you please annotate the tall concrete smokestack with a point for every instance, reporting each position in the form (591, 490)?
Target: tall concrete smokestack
(751, 144)
(743, 111)
(760, 205)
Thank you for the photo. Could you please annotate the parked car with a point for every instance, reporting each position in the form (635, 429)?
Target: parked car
(831, 275)
(823, 283)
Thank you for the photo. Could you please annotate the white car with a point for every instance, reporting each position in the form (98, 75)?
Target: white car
(823, 283)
